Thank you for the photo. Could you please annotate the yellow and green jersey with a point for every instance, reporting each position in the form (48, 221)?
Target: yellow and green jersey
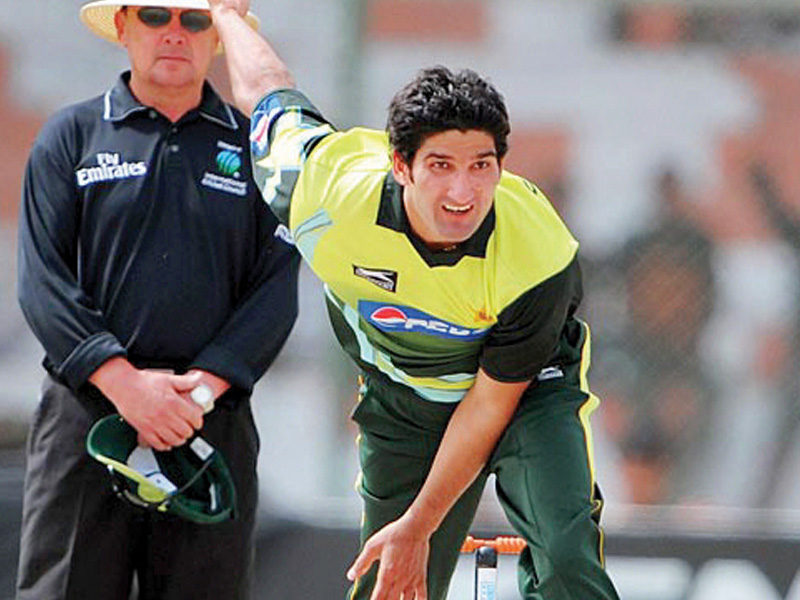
(425, 319)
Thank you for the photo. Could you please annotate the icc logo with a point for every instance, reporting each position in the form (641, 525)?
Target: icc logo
(229, 163)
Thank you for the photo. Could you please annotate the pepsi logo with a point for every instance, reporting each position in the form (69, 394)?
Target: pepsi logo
(391, 318)
(389, 315)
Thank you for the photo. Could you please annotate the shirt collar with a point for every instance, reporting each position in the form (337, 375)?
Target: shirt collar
(119, 104)
(392, 215)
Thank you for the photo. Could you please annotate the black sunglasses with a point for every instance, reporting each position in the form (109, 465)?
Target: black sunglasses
(191, 20)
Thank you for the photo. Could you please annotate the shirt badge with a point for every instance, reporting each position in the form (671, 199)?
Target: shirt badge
(228, 175)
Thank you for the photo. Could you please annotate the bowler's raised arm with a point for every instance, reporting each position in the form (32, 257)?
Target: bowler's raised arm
(254, 66)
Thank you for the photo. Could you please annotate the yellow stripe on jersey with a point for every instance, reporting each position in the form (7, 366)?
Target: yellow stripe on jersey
(588, 407)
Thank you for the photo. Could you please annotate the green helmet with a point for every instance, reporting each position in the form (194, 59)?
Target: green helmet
(191, 481)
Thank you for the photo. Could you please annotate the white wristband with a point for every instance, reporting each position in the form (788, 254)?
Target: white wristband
(203, 397)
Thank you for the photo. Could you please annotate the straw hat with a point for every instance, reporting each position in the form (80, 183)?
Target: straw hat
(99, 15)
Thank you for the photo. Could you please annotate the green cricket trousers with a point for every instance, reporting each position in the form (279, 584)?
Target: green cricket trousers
(544, 480)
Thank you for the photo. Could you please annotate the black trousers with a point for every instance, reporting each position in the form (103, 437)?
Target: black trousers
(80, 541)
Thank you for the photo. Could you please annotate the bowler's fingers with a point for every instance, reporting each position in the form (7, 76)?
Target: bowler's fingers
(368, 555)
(417, 590)
(387, 586)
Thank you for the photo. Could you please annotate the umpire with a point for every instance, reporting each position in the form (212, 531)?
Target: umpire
(148, 265)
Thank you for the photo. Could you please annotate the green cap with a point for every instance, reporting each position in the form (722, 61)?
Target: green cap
(191, 481)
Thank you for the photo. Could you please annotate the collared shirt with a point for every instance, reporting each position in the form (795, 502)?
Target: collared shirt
(147, 238)
(503, 300)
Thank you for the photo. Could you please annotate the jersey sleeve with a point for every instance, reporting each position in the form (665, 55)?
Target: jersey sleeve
(66, 321)
(285, 127)
(526, 335)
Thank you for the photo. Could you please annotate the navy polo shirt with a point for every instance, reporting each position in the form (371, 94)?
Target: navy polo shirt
(148, 239)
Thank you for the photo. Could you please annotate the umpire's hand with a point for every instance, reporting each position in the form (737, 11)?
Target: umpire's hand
(154, 403)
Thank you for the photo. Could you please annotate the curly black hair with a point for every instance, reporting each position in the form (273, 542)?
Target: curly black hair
(439, 100)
